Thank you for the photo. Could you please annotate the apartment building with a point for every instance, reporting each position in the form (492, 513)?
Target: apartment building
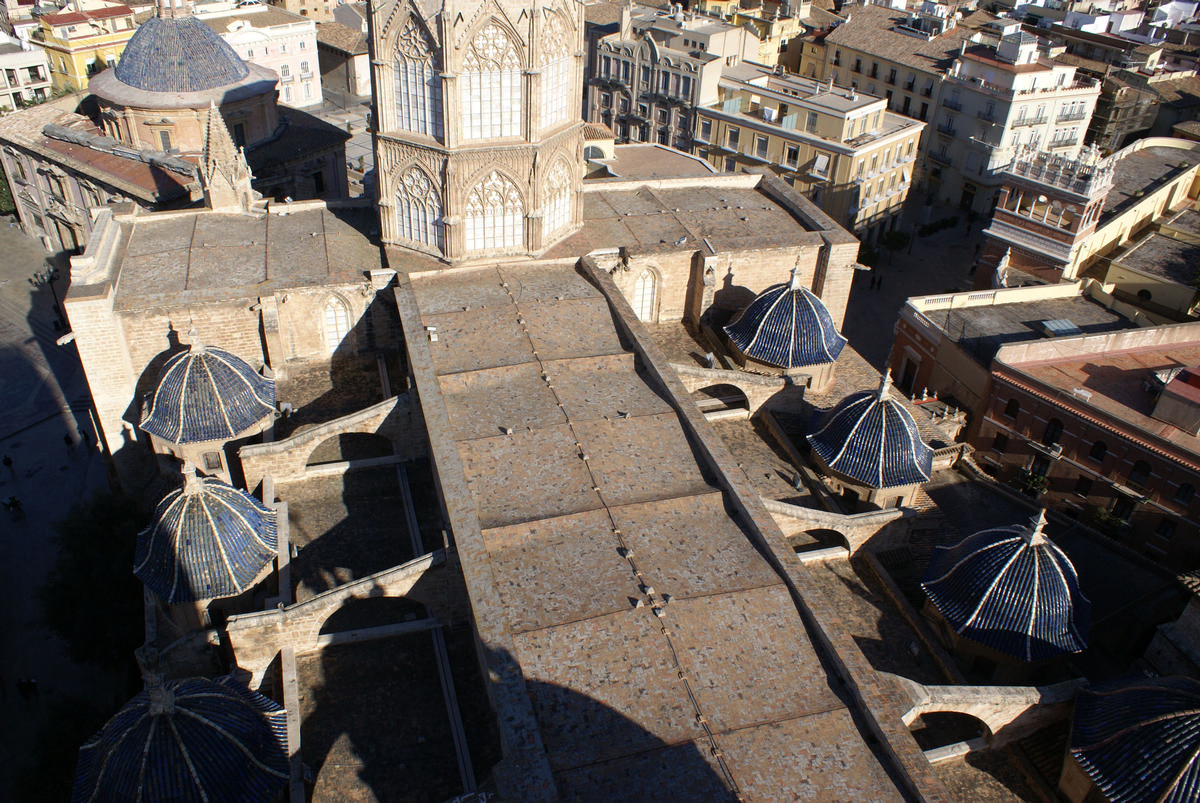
(986, 87)
(775, 23)
(273, 38)
(649, 76)
(840, 147)
(24, 74)
(80, 43)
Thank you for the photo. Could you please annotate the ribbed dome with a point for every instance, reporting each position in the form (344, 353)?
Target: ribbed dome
(178, 55)
(786, 326)
(1010, 589)
(872, 439)
(208, 540)
(207, 394)
(1138, 739)
(187, 741)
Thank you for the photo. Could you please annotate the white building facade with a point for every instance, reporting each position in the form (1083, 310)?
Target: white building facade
(24, 74)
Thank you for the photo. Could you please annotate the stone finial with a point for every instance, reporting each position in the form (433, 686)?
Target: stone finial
(1033, 534)
(196, 343)
(191, 483)
(795, 283)
(885, 386)
(223, 170)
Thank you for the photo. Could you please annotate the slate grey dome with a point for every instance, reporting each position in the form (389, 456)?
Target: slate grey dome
(207, 394)
(1138, 739)
(208, 540)
(870, 438)
(187, 741)
(788, 327)
(183, 54)
(1011, 589)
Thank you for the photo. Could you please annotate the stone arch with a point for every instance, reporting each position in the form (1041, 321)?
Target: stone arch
(558, 197)
(646, 294)
(346, 446)
(828, 537)
(725, 395)
(336, 322)
(419, 207)
(416, 67)
(494, 211)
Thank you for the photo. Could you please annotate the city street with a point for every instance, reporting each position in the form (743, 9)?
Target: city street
(44, 395)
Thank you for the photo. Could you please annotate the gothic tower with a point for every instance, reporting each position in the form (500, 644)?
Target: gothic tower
(479, 138)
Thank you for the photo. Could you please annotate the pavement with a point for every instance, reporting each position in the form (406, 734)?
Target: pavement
(930, 265)
(43, 395)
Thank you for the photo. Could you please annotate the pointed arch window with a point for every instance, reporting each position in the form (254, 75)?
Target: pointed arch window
(558, 198)
(556, 72)
(419, 209)
(644, 291)
(418, 83)
(337, 323)
(491, 86)
(495, 215)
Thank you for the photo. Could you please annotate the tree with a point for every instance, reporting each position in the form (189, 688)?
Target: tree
(7, 204)
(91, 599)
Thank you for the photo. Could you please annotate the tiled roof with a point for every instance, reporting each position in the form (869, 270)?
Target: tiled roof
(341, 37)
(786, 326)
(187, 741)
(207, 394)
(1011, 589)
(208, 540)
(178, 55)
(872, 439)
(870, 29)
(1138, 739)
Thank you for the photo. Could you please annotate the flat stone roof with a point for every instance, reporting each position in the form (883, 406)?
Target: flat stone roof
(1116, 381)
(666, 215)
(175, 258)
(1159, 255)
(656, 647)
(643, 161)
(1186, 220)
(983, 330)
(1141, 171)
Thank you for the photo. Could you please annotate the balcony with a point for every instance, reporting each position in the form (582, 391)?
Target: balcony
(951, 103)
(908, 85)
(1022, 121)
(927, 92)
(946, 128)
(941, 158)
(890, 80)
(1070, 117)
(1064, 142)
(987, 117)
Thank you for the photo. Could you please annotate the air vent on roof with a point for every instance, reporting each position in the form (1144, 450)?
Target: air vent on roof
(1059, 328)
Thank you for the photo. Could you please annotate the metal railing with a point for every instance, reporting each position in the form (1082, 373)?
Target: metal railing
(1038, 120)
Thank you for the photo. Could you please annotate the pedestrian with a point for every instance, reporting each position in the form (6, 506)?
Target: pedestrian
(85, 439)
(70, 442)
(8, 462)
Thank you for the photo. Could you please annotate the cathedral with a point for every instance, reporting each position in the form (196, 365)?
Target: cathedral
(479, 148)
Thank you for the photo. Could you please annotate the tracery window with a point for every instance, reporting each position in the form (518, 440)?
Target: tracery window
(495, 215)
(418, 83)
(491, 86)
(558, 198)
(419, 209)
(337, 323)
(644, 290)
(556, 71)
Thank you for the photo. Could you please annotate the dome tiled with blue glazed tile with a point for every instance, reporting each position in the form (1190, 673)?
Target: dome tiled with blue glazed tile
(1138, 739)
(788, 327)
(182, 54)
(208, 540)
(187, 741)
(207, 394)
(870, 438)
(1011, 589)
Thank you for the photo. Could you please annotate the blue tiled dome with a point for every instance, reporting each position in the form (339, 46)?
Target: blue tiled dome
(786, 326)
(1010, 589)
(872, 439)
(1138, 739)
(207, 394)
(208, 540)
(178, 55)
(187, 741)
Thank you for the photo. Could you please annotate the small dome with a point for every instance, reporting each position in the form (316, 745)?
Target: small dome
(1011, 589)
(207, 394)
(178, 55)
(188, 740)
(1138, 739)
(872, 439)
(787, 326)
(208, 540)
